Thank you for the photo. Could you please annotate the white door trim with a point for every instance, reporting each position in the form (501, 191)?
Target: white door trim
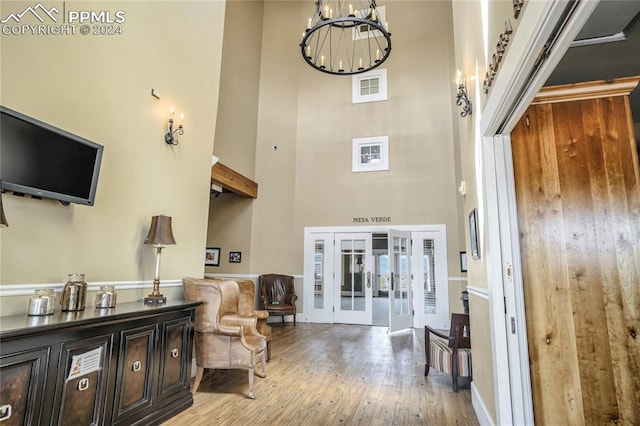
(513, 91)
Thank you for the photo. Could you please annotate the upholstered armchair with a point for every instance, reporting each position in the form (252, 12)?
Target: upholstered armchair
(449, 354)
(225, 336)
(278, 295)
(247, 308)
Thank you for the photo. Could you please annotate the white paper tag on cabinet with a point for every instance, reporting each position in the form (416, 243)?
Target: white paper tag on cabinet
(85, 363)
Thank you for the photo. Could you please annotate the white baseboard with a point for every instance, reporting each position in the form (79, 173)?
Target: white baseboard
(484, 418)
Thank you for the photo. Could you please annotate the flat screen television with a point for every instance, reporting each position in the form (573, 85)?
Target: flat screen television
(39, 159)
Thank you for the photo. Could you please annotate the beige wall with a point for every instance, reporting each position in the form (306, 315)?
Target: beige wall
(99, 87)
(309, 116)
(476, 34)
(470, 62)
(230, 216)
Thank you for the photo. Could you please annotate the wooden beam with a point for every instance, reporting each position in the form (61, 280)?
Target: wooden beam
(233, 181)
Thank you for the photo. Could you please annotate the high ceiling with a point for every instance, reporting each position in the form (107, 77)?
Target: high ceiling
(607, 47)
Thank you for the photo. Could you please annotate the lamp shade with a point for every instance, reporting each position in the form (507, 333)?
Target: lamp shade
(3, 220)
(160, 232)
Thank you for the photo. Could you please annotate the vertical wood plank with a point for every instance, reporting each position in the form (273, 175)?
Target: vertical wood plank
(578, 195)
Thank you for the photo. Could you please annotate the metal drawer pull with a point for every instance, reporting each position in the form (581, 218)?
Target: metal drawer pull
(5, 412)
(83, 384)
(174, 353)
(136, 366)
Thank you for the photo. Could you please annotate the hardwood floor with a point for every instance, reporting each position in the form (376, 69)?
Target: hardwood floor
(322, 374)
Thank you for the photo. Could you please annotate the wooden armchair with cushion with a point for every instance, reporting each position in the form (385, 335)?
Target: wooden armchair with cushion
(449, 354)
(278, 295)
(225, 335)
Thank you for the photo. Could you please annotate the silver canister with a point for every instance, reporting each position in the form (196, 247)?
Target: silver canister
(42, 302)
(106, 297)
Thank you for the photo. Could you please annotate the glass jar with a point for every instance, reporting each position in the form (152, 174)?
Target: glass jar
(74, 293)
(106, 297)
(42, 302)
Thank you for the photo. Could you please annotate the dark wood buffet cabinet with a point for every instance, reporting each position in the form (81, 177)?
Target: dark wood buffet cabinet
(128, 365)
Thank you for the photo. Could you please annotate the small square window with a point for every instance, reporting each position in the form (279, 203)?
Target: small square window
(367, 31)
(369, 86)
(370, 154)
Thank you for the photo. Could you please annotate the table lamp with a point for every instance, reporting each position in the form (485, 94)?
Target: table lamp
(160, 235)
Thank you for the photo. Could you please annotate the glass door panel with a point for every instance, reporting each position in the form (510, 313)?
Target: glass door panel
(400, 294)
(353, 278)
(318, 277)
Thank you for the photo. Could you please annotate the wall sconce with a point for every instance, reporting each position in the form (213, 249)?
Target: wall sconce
(462, 99)
(169, 137)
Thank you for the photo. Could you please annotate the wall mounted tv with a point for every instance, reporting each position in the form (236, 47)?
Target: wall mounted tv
(44, 161)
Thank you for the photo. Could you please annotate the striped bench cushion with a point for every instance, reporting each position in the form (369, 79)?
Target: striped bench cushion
(440, 358)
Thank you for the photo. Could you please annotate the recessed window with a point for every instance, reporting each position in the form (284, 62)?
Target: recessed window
(369, 86)
(368, 31)
(370, 154)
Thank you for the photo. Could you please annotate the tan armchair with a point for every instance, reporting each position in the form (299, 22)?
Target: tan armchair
(248, 308)
(278, 295)
(225, 336)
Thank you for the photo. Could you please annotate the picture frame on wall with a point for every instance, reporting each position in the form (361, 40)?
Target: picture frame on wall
(463, 261)
(212, 256)
(235, 257)
(473, 234)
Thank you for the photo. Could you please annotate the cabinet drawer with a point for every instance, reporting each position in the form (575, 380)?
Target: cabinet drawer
(135, 372)
(22, 379)
(175, 357)
(82, 380)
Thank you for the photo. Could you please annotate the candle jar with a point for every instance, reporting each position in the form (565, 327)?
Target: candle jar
(74, 293)
(106, 297)
(42, 302)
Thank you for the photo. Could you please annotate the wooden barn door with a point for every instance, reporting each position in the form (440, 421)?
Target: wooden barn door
(578, 197)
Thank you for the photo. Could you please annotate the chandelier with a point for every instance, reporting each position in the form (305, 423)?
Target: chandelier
(346, 37)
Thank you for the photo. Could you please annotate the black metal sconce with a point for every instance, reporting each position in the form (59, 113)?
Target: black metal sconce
(462, 99)
(169, 137)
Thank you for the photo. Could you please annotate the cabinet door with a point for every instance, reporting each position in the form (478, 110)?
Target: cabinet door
(175, 359)
(135, 373)
(82, 380)
(22, 379)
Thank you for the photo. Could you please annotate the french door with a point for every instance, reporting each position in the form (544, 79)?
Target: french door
(340, 276)
(353, 278)
(401, 292)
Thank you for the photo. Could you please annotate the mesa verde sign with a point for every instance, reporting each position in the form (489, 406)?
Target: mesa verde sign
(372, 219)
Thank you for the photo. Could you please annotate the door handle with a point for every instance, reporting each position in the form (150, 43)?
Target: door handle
(369, 279)
(5, 412)
(83, 384)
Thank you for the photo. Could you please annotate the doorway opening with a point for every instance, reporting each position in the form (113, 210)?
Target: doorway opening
(381, 279)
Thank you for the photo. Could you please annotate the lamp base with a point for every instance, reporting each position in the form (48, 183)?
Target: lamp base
(155, 300)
